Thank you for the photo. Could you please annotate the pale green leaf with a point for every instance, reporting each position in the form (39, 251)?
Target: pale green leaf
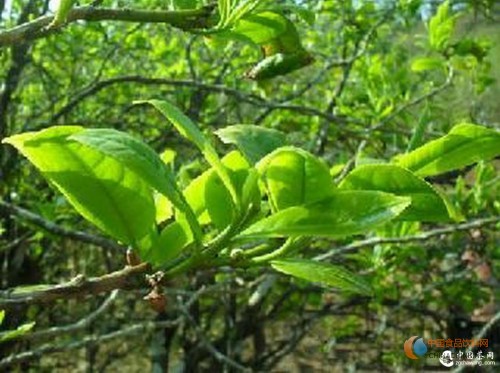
(463, 145)
(342, 214)
(253, 141)
(100, 188)
(326, 274)
(20, 331)
(173, 239)
(428, 63)
(441, 27)
(260, 28)
(294, 177)
(426, 203)
(137, 156)
(191, 132)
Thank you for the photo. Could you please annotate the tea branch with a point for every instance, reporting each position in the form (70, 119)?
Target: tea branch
(135, 329)
(75, 288)
(422, 237)
(56, 229)
(39, 27)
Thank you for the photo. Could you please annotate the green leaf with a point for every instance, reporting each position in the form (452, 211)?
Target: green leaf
(211, 200)
(294, 177)
(173, 239)
(189, 130)
(239, 11)
(306, 15)
(184, 4)
(137, 156)
(195, 196)
(98, 186)
(279, 64)
(145, 162)
(323, 273)
(463, 145)
(61, 13)
(224, 7)
(428, 63)
(342, 214)
(426, 203)
(441, 27)
(253, 141)
(20, 331)
(218, 202)
(477, 48)
(244, 179)
(2, 316)
(163, 207)
(260, 28)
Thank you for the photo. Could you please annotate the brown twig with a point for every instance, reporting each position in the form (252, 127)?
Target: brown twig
(135, 329)
(478, 223)
(77, 287)
(56, 229)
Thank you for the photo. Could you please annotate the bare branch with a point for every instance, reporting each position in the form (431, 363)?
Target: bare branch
(77, 287)
(425, 236)
(80, 324)
(484, 330)
(219, 356)
(241, 96)
(52, 227)
(135, 329)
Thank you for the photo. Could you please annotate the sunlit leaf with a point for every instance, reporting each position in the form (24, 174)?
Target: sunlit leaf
(102, 189)
(294, 177)
(463, 145)
(441, 27)
(326, 274)
(191, 132)
(253, 141)
(342, 214)
(428, 63)
(173, 239)
(426, 203)
(20, 331)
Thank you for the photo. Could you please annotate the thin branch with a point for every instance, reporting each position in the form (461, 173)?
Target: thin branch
(425, 236)
(53, 228)
(361, 47)
(135, 329)
(416, 101)
(38, 28)
(241, 96)
(484, 330)
(219, 356)
(75, 288)
(80, 324)
(350, 164)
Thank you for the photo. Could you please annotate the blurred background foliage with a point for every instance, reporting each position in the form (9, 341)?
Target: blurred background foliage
(376, 81)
